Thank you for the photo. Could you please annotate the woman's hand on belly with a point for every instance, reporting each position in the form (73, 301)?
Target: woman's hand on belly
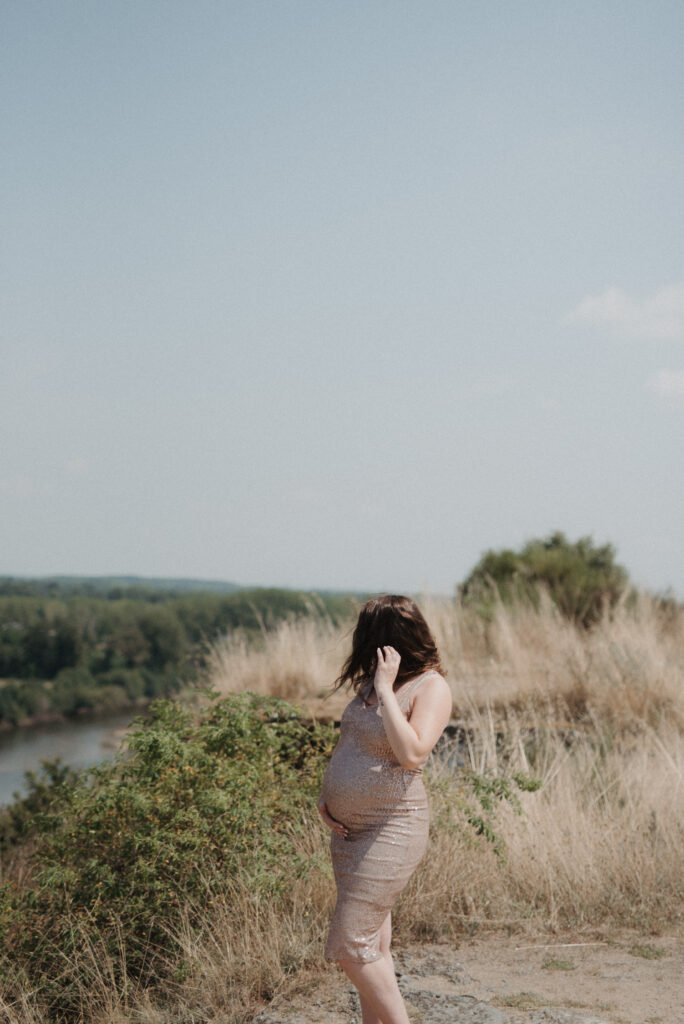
(333, 825)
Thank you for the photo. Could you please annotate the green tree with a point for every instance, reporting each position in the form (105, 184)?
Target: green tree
(581, 578)
(164, 636)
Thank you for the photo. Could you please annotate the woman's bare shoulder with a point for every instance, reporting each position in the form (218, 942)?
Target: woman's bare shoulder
(433, 689)
(435, 680)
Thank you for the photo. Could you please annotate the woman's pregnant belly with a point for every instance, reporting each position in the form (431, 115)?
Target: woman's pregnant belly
(363, 792)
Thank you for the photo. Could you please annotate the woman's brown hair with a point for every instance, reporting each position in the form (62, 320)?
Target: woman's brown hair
(389, 621)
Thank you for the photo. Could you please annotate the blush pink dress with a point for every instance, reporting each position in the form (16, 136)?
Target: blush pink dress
(385, 809)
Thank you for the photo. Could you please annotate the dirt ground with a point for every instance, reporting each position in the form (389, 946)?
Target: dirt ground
(627, 979)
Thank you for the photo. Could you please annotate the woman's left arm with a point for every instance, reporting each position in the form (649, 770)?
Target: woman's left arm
(412, 740)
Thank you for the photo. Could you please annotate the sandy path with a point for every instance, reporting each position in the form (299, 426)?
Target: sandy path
(630, 979)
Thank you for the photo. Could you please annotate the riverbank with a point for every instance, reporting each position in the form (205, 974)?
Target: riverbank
(79, 742)
(81, 715)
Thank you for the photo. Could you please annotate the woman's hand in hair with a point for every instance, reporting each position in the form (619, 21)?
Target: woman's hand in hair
(386, 670)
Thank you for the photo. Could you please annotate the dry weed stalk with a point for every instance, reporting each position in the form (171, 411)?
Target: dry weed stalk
(296, 660)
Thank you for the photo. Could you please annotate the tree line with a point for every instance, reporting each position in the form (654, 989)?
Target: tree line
(70, 651)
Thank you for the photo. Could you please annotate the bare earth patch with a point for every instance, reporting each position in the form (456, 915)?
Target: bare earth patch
(626, 979)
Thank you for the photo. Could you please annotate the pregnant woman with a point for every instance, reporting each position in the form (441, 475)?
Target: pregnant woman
(373, 798)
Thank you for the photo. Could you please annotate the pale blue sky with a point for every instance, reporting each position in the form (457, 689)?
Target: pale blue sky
(339, 295)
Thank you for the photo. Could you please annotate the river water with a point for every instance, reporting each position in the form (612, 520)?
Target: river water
(80, 743)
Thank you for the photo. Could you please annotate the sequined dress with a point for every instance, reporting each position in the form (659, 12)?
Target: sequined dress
(385, 809)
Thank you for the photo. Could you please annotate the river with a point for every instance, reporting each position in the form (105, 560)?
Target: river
(80, 743)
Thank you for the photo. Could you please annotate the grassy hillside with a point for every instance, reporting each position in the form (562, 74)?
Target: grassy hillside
(190, 878)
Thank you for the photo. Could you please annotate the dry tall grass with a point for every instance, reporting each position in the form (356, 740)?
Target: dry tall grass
(598, 716)
(601, 844)
(296, 660)
(603, 840)
(628, 669)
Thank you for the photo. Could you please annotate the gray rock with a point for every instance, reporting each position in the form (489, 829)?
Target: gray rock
(428, 966)
(550, 1016)
(441, 1008)
(434, 1007)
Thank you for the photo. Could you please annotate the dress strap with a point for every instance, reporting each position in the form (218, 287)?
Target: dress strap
(366, 690)
(419, 680)
(410, 688)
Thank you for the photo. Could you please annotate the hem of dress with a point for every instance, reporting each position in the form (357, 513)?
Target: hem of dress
(353, 960)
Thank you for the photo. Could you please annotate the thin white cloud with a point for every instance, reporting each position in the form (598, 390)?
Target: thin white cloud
(667, 383)
(658, 317)
(77, 467)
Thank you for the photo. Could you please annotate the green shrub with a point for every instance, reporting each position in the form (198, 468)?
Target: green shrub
(128, 844)
(114, 858)
(130, 680)
(21, 698)
(466, 803)
(581, 579)
(74, 689)
(44, 788)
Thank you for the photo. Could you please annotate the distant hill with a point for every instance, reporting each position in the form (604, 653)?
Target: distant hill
(101, 586)
(133, 586)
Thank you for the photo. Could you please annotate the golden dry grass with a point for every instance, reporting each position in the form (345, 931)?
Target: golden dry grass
(629, 668)
(598, 715)
(297, 660)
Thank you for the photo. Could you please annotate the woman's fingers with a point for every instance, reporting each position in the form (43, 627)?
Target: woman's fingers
(388, 659)
(336, 826)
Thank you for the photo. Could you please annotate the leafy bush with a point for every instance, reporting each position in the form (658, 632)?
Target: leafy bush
(467, 804)
(44, 788)
(131, 681)
(121, 857)
(20, 698)
(130, 844)
(582, 579)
